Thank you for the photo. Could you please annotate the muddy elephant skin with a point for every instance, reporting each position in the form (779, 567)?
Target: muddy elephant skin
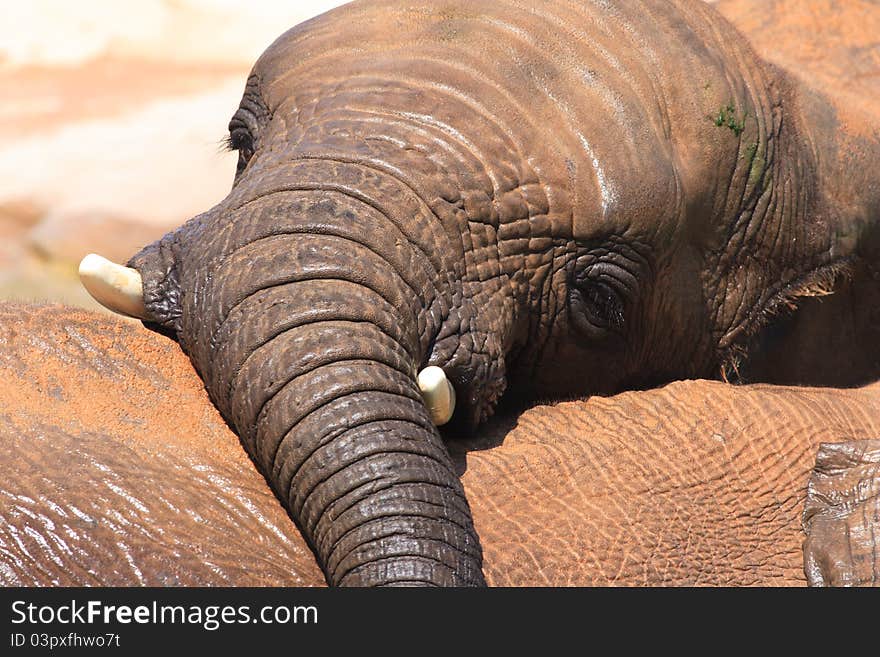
(119, 472)
(553, 198)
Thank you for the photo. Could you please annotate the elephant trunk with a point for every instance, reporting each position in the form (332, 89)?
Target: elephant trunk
(308, 319)
(335, 420)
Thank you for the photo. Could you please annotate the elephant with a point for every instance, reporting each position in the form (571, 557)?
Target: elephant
(120, 472)
(440, 204)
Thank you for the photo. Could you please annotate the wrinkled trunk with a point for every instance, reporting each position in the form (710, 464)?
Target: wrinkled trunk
(308, 314)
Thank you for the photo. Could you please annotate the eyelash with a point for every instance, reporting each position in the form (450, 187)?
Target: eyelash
(241, 141)
(234, 141)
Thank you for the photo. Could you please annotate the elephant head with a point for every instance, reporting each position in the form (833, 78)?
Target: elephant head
(556, 198)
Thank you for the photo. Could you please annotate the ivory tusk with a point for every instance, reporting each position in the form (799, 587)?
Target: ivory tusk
(438, 394)
(115, 287)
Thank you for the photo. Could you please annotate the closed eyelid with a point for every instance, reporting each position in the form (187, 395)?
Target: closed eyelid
(614, 275)
(619, 267)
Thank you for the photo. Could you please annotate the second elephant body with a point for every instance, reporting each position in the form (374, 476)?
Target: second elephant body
(697, 483)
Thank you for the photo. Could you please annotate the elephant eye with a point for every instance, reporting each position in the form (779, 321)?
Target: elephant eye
(241, 140)
(598, 307)
(602, 291)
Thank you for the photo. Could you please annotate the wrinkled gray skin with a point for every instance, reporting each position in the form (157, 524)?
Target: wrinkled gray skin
(548, 197)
